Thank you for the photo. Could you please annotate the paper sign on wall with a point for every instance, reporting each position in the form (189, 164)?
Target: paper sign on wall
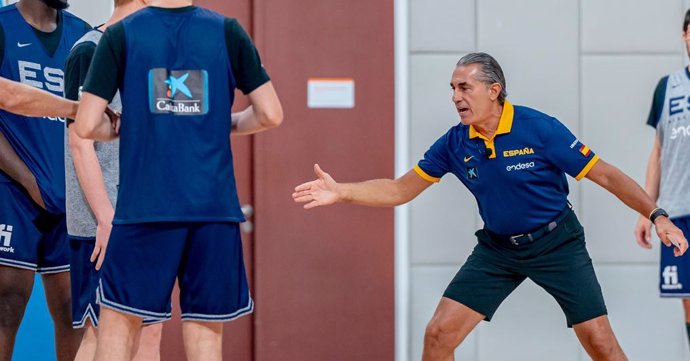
(334, 93)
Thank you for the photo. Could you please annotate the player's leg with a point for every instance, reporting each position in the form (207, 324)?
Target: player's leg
(53, 264)
(686, 309)
(116, 335)
(488, 276)
(58, 297)
(137, 279)
(15, 289)
(449, 326)
(87, 347)
(212, 291)
(148, 344)
(203, 341)
(19, 248)
(84, 285)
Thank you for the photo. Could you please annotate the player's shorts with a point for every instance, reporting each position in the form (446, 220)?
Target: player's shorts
(144, 260)
(84, 283)
(31, 238)
(674, 272)
(558, 262)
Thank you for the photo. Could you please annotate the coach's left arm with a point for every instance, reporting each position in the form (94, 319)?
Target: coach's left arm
(629, 192)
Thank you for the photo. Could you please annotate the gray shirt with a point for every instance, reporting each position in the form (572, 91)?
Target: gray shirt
(673, 130)
(81, 221)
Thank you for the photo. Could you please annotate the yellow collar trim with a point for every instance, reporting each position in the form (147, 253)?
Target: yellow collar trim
(504, 124)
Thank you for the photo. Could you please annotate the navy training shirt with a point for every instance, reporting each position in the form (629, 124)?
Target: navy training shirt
(518, 176)
(39, 141)
(177, 86)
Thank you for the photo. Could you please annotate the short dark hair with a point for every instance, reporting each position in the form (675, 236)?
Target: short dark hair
(686, 21)
(490, 71)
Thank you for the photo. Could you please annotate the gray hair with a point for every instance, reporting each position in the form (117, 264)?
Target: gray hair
(490, 71)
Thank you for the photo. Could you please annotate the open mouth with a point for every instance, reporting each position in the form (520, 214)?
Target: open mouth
(463, 111)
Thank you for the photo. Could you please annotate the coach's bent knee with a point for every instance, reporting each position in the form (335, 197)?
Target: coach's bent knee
(440, 335)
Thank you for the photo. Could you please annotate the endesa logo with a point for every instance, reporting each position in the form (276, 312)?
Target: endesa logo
(520, 166)
(681, 131)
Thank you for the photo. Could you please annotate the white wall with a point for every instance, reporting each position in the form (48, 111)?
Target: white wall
(94, 12)
(593, 64)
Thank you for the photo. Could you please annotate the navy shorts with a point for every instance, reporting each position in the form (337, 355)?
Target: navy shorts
(674, 272)
(31, 238)
(144, 260)
(84, 283)
(558, 262)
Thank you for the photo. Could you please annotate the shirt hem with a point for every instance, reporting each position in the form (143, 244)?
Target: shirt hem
(178, 219)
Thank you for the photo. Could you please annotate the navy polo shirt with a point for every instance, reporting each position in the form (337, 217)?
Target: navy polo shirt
(518, 175)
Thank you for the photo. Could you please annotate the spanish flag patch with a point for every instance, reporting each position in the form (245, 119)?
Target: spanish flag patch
(585, 150)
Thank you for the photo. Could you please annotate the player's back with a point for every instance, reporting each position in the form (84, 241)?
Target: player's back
(177, 91)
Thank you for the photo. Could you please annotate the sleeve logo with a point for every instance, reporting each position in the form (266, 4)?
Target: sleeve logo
(585, 150)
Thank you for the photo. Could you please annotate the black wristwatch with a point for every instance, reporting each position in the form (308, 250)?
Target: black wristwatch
(656, 213)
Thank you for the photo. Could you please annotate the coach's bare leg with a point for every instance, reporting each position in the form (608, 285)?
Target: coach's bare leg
(87, 348)
(203, 341)
(597, 337)
(116, 333)
(59, 299)
(15, 289)
(449, 326)
(148, 344)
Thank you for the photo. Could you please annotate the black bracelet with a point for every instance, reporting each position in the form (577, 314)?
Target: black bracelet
(656, 213)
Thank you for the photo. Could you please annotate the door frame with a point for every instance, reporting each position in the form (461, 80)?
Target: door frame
(401, 219)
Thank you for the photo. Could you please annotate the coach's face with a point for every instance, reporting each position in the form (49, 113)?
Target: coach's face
(473, 98)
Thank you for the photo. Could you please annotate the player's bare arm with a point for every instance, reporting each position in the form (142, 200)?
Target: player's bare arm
(91, 121)
(265, 112)
(643, 229)
(91, 180)
(374, 193)
(630, 193)
(26, 100)
(13, 166)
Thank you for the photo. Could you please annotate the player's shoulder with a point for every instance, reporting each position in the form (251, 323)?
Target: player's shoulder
(74, 20)
(8, 9)
(83, 49)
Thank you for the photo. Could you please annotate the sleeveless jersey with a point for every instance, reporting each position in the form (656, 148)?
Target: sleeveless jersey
(178, 87)
(81, 221)
(38, 141)
(673, 130)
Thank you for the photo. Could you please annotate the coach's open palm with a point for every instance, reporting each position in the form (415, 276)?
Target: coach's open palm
(319, 192)
(671, 236)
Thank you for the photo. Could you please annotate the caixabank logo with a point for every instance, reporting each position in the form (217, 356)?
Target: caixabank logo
(178, 92)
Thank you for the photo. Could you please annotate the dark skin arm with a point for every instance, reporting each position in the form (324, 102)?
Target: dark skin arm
(13, 166)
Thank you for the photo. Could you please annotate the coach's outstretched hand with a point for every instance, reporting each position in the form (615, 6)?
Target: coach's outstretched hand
(671, 236)
(320, 192)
